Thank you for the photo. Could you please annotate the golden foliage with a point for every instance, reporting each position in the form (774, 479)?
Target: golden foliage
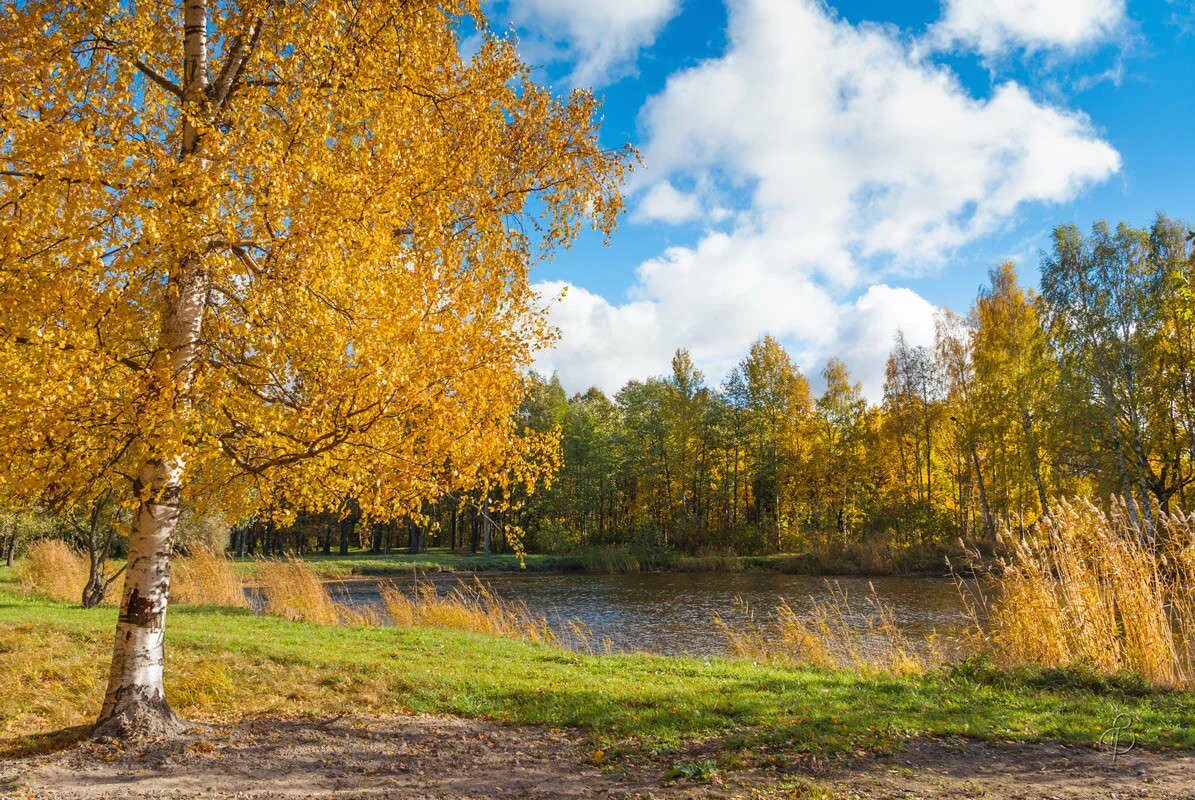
(1088, 588)
(351, 219)
(52, 569)
(471, 607)
(205, 577)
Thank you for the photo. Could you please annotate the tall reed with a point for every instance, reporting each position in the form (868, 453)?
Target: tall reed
(206, 577)
(1086, 587)
(53, 569)
(467, 606)
(291, 589)
(833, 634)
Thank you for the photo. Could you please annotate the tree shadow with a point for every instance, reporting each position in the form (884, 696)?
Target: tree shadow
(41, 744)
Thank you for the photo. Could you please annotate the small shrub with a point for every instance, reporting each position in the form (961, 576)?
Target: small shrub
(702, 771)
(291, 589)
(467, 606)
(52, 569)
(826, 637)
(207, 578)
(610, 559)
(710, 562)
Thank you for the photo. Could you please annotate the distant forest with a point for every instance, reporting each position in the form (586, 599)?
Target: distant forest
(1085, 386)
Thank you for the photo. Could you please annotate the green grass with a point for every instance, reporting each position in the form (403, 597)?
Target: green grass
(228, 664)
(362, 562)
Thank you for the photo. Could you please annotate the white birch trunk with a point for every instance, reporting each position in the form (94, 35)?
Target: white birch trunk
(135, 703)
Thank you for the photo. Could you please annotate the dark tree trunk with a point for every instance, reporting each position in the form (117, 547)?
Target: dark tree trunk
(10, 548)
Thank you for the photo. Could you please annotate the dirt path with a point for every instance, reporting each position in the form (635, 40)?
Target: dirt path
(437, 757)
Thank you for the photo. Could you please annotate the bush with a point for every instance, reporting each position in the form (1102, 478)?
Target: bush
(52, 569)
(470, 607)
(291, 589)
(610, 559)
(207, 578)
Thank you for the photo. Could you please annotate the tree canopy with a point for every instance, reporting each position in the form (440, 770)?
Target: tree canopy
(268, 255)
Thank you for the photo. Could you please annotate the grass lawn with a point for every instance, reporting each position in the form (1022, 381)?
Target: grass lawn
(230, 664)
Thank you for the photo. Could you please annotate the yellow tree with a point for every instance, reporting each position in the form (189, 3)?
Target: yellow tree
(779, 405)
(1014, 381)
(265, 255)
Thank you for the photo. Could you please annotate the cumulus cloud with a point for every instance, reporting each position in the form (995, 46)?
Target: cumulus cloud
(995, 26)
(663, 202)
(857, 147)
(855, 160)
(601, 39)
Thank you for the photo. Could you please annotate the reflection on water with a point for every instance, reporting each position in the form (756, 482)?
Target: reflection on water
(673, 613)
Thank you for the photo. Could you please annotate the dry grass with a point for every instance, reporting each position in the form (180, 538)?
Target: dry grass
(470, 607)
(207, 578)
(52, 569)
(291, 589)
(1085, 587)
(832, 634)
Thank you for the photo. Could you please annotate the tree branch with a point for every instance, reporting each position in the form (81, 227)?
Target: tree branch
(234, 64)
(158, 78)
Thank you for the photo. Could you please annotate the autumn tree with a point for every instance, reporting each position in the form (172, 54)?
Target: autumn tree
(1114, 311)
(1015, 381)
(778, 404)
(262, 256)
(839, 458)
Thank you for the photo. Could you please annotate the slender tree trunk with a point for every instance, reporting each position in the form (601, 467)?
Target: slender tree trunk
(135, 702)
(10, 549)
(485, 513)
(346, 530)
(988, 521)
(96, 587)
(1035, 461)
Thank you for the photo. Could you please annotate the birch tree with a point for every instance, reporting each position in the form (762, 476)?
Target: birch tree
(266, 255)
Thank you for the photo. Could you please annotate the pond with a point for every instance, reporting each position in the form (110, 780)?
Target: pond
(674, 613)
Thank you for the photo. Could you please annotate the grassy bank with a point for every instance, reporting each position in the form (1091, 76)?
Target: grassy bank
(598, 560)
(228, 664)
(364, 563)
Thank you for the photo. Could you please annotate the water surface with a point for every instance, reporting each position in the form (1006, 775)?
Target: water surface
(673, 613)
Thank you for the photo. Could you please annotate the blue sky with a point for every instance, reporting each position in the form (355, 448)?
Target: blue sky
(830, 173)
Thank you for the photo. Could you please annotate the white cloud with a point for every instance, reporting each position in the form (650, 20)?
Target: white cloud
(852, 158)
(867, 330)
(663, 202)
(853, 146)
(996, 26)
(715, 300)
(602, 39)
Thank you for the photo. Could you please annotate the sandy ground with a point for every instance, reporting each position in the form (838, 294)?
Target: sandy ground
(438, 757)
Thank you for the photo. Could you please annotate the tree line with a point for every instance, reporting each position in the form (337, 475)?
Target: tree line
(1084, 386)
